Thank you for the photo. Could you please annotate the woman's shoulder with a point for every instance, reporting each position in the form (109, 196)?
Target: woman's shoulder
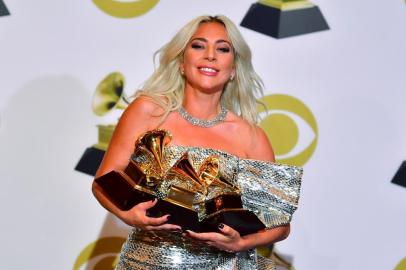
(256, 142)
(143, 113)
(146, 106)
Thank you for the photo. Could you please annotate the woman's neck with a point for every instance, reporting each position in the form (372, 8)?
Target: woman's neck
(202, 105)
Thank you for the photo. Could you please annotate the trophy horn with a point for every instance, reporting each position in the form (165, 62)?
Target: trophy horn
(209, 172)
(154, 141)
(109, 94)
(181, 179)
(184, 168)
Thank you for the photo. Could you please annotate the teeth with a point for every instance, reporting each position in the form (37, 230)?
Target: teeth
(208, 69)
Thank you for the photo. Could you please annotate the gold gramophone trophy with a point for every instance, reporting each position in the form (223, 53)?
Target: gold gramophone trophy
(196, 199)
(109, 95)
(284, 18)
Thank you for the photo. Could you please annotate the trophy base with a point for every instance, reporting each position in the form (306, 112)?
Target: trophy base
(124, 192)
(90, 161)
(400, 176)
(284, 23)
(243, 221)
(3, 9)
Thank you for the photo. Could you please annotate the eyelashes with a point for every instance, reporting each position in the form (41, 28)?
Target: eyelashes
(198, 46)
(224, 49)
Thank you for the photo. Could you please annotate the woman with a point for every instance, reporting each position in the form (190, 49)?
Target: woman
(203, 93)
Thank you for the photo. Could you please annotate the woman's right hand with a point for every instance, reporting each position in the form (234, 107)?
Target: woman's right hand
(137, 217)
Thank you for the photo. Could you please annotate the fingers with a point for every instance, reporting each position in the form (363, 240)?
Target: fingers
(146, 205)
(164, 227)
(228, 231)
(203, 236)
(227, 239)
(150, 221)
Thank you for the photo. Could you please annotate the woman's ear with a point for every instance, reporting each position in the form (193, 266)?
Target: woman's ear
(232, 75)
(182, 68)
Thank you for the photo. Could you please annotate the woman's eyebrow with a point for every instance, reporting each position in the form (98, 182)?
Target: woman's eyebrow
(217, 41)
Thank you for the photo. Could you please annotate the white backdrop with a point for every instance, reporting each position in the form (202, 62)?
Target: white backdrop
(54, 53)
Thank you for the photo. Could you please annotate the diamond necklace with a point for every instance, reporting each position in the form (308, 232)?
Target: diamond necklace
(204, 123)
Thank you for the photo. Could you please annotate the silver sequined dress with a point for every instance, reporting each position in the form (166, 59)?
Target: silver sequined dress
(268, 189)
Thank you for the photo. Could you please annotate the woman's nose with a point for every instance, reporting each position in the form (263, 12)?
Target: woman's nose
(210, 54)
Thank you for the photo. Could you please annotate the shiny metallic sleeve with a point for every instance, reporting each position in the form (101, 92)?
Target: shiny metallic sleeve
(270, 190)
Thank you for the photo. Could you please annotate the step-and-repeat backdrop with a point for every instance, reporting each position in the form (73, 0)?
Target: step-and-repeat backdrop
(335, 82)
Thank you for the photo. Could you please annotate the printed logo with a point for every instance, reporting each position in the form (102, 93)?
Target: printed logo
(102, 254)
(291, 127)
(109, 95)
(401, 265)
(3, 9)
(129, 9)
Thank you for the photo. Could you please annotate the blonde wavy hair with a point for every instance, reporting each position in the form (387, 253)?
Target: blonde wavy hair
(166, 85)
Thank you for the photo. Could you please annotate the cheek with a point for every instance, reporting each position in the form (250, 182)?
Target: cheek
(229, 63)
(189, 57)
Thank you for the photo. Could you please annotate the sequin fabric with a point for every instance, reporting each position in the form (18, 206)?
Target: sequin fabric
(270, 190)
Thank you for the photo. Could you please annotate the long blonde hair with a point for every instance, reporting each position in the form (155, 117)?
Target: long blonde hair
(166, 85)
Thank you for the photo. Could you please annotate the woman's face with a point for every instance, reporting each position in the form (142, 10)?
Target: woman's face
(208, 61)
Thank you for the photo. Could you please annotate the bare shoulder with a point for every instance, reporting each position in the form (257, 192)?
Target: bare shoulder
(261, 147)
(143, 108)
(255, 141)
(140, 116)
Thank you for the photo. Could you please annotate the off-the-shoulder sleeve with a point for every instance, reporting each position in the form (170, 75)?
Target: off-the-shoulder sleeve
(270, 190)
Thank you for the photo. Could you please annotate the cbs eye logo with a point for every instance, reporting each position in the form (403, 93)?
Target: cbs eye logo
(291, 128)
(401, 265)
(128, 9)
(101, 254)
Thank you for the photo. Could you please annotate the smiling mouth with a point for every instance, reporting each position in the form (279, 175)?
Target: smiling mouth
(208, 70)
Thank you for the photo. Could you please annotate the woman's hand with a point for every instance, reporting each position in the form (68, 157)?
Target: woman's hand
(137, 217)
(227, 240)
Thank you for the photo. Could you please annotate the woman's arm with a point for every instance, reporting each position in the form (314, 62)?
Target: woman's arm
(140, 116)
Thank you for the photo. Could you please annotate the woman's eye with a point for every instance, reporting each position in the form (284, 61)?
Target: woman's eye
(196, 46)
(224, 49)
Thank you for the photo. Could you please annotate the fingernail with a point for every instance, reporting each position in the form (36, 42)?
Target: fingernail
(221, 226)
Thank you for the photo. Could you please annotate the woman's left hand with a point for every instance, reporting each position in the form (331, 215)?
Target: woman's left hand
(227, 239)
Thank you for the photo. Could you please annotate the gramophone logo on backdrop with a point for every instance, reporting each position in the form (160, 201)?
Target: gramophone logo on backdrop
(128, 9)
(109, 95)
(284, 18)
(3, 9)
